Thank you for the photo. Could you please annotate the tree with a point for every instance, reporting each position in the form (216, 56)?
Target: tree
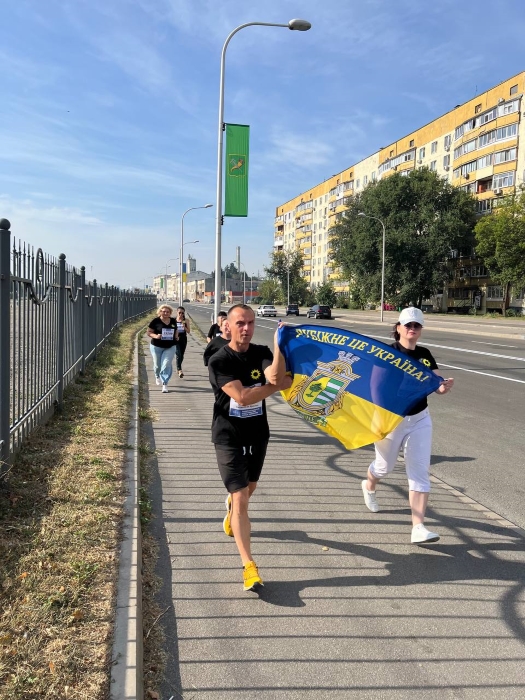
(290, 263)
(500, 239)
(424, 216)
(269, 291)
(325, 294)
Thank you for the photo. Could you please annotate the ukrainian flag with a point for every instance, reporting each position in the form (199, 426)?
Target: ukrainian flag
(350, 386)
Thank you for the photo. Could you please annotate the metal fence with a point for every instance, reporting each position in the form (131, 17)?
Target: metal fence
(52, 322)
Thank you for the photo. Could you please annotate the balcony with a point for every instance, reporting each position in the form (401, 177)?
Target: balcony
(278, 241)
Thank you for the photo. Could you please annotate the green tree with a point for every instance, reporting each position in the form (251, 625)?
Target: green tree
(325, 294)
(424, 216)
(269, 291)
(284, 264)
(500, 239)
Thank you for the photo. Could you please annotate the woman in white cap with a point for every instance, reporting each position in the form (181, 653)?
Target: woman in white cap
(413, 434)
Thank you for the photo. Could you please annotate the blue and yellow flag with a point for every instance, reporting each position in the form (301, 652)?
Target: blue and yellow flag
(350, 386)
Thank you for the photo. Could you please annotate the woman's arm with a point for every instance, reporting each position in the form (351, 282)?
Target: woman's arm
(446, 386)
(187, 325)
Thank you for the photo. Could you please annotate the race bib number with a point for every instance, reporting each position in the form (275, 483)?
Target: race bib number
(254, 409)
(168, 333)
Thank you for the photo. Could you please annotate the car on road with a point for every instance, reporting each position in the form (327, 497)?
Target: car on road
(267, 310)
(319, 311)
(185, 301)
(292, 309)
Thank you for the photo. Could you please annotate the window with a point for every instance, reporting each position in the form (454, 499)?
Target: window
(411, 144)
(484, 161)
(421, 153)
(433, 165)
(483, 206)
(357, 183)
(504, 156)
(514, 90)
(391, 154)
(446, 161)
(434, 147)
(503, 180)
(495, 293)
(477, 109)
(447, 141)
(365, 180)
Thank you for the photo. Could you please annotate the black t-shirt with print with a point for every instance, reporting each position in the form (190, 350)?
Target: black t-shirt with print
(425, 357)
(214, 331)
(239, 425)
(166, 329)
(213, 346)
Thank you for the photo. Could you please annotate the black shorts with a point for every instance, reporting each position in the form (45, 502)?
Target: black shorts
(240, 465)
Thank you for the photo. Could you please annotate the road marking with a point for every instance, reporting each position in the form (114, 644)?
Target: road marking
(499, 345)
(485, 374)
(451, 347)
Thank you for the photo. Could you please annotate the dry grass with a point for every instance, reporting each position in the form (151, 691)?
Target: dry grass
(58, 539)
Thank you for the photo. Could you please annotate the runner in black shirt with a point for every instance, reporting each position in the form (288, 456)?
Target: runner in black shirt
(243, 375)
(164, 336)
(216, 328)
(414, 434)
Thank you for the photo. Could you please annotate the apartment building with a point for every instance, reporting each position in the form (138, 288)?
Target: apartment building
(476, 146)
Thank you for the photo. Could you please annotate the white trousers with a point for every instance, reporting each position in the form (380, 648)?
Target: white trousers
(414, 434)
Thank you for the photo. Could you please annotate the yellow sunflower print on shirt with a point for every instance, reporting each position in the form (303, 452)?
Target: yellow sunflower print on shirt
(255, 374)
(426, 362)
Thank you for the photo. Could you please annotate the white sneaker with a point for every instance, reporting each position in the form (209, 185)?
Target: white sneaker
(164, 388)
(421, 535)
(370, 498)
(157, 381)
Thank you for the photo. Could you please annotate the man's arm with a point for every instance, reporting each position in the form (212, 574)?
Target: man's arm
(276, 371)
(245, 395)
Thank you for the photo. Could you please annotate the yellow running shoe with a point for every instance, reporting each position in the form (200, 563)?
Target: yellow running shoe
(226, 523)
(252, 580)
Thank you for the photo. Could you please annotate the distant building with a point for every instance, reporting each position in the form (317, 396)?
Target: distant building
(478, 146)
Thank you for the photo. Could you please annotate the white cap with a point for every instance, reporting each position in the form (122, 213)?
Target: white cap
(411, 315)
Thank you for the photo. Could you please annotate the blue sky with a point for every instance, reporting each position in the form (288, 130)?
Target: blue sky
(109, 111)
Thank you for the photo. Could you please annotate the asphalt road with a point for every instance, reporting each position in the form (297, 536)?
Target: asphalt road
(479, 429)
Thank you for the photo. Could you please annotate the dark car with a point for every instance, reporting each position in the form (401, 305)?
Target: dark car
(185, 301)
(319, 311)
(292, 309)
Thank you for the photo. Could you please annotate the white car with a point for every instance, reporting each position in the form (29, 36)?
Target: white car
(267, 310)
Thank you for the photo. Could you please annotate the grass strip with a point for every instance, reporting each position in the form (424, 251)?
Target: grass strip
(59, 533)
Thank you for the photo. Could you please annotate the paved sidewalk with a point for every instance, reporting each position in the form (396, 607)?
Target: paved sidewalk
(350, 608)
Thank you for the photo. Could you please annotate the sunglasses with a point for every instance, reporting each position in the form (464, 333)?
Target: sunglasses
(414, 326)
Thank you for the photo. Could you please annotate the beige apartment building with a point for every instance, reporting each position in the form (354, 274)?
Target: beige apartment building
(476, 146)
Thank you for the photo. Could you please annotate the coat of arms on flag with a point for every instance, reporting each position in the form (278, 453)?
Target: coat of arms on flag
(322, 392)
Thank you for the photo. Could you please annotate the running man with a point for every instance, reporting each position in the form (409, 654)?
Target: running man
(242, 376)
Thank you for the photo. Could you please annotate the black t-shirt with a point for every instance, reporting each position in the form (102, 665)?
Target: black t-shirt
(214, 331)
(425, 357)
(214, 346)
(168, 330)
(233, 424)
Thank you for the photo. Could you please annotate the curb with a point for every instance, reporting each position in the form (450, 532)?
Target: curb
(127, 652)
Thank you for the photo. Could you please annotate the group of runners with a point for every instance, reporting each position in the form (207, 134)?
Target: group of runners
(243, 374)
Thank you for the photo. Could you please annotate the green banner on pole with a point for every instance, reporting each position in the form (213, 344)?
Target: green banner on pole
(236, 176)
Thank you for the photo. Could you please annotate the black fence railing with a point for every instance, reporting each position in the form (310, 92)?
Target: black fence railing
(52, 322)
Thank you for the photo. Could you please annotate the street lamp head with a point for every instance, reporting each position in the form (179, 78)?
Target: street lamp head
(207, 206)
(361, 213)
(299, 25)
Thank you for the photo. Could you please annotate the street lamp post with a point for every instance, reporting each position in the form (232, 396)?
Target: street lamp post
(206, 206)
(300, 25)
(382, 259)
